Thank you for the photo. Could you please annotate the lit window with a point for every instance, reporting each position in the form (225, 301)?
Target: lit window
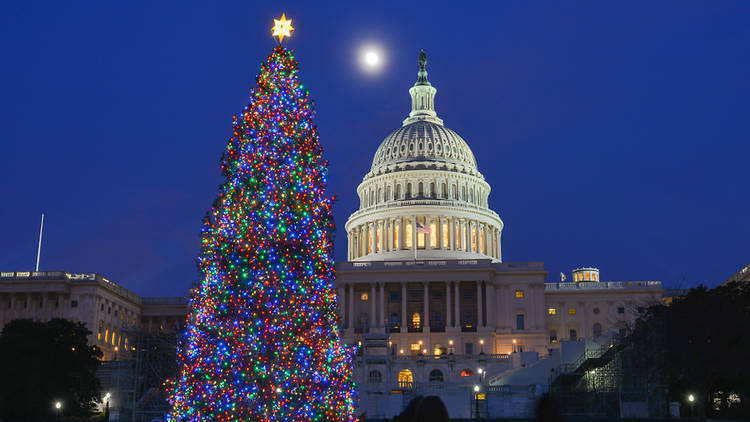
(433, 235)
(416, 320)
(467, 373)
(407, 235)
(369, 241)
(405, 377)
(420, 236)
(519, 293)
(552, 311)
(416, 347)
(364, 297)
(395, 235)
(572, 311)
(377, 240)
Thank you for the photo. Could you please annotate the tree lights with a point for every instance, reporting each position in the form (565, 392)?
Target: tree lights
(261, 343)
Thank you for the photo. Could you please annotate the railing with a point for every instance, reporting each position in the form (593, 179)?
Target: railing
(165, 301)
(62, 275)
(602, 285)
(473, 357)
(367, 265)
(428, 202)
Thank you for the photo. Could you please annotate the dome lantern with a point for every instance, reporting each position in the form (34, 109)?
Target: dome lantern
(422, 97)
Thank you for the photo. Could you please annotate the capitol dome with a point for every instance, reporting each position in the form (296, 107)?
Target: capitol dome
(424, 197)
(423, 141)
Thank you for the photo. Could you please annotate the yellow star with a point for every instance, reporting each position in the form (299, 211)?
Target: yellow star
(282, 28)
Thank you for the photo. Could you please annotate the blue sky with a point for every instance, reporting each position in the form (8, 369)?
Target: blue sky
(613, 134)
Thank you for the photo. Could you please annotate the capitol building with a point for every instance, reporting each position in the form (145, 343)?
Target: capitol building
(426, 295)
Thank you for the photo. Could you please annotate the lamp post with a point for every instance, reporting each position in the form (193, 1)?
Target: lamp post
(476, 401)
(58, 406)
(106, 406)
(514, 345)
(691, 400)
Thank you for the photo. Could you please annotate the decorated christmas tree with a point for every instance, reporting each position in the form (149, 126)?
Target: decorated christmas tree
(262, 342)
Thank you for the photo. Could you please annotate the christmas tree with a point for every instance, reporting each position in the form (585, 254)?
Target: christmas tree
(262, 342)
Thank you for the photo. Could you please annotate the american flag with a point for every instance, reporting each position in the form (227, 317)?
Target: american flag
(422, 229)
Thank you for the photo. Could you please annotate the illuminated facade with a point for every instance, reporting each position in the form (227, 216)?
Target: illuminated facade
(109, 310)
(425, 292)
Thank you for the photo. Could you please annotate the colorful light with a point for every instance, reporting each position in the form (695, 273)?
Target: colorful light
(261, 341)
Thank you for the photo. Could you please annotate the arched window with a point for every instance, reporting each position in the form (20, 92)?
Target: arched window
(454, 192)
(388, 196)
(405, 378)
(467, 373)
(444, 191)
(420, 190)
(597, 330)
(408, 190)
(436, 376)
(398, 192)
(380, 196)
(375, 377)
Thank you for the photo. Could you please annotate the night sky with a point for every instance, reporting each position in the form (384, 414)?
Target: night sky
(613, 134)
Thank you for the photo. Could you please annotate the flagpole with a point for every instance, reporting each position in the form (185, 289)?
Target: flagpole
(39, 249)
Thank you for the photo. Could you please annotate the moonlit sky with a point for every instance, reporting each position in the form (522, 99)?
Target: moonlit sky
(613, 134)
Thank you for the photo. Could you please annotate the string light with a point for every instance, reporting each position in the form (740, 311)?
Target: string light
(261, 341)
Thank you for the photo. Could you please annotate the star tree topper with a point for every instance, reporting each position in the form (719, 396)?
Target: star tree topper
(282, 28)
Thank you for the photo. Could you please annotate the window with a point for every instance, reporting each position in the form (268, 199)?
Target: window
(364, 297)
(375, 377)
(573, 335)
(73, 303)
(597, 330)
(416, 320)
(395, 235)
(552, 311)
(467, 373)
(436, 376)
(571, 311)
(473, 239)
(377, 240)
(395, 296)
(405, 378)
(519, 321)
(433, 235)
(469, 348)
(407, 235)
(621, 310)
(446, 235)
(369, 241)
(553, 336)
(416, 347)
(438, 350)
(519, 294)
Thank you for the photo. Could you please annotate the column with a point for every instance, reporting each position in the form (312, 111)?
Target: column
(426, 301)
(480, 314)
(403, 307)
(456, 288)
(341, 302)
(490, 299)
(373, 318)
(451, 234)
(351, 307)
(448, 304)
(382, 306)
(414, 231)
(373, 236)
(401, 234)
(440, 232)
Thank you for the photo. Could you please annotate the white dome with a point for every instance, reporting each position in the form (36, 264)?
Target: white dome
(423, 141)
(424, 197)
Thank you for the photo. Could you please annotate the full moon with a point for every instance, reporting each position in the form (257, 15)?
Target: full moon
(371, 58)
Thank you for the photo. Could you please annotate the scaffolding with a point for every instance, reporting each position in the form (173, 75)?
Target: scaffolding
(604, 383)
(138, 377)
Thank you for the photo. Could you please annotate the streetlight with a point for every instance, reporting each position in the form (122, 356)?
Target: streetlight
(691, 399)
(476, 401)
(514, 345)
(58, 406)
(106, 406)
